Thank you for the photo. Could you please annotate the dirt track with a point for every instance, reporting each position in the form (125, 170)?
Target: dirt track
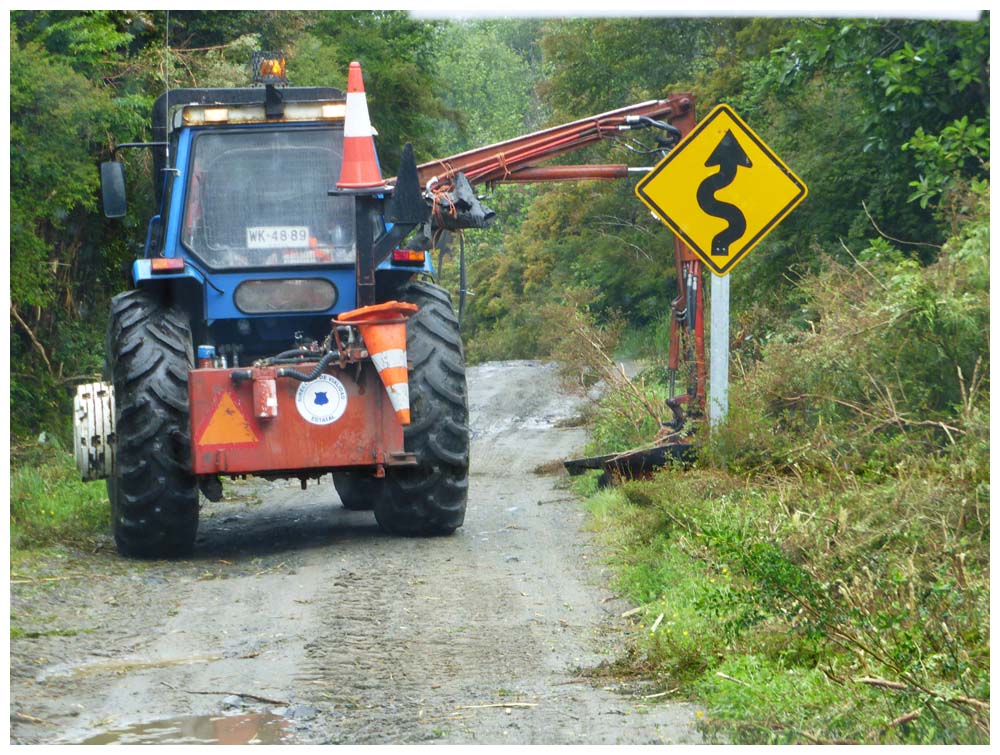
(303, 623)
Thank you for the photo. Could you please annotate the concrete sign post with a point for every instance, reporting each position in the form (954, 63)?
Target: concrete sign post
(718, 356)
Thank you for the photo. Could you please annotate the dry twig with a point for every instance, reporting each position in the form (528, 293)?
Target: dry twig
(885, 235)
(904, 719)
(246, 695)
(660, 694)
(30, 719)
(31, 335)
(729, 678)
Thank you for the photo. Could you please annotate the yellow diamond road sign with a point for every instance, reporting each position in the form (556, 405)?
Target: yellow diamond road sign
(721, 190)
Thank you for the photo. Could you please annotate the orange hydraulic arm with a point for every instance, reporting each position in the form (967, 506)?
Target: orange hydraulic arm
(514, 160)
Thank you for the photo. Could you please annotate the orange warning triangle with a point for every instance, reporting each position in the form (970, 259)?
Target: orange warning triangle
(227, 425)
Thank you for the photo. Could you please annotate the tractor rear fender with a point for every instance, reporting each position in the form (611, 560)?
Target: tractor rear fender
(184, 289)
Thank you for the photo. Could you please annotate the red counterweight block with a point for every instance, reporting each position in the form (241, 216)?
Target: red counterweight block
(343, 418)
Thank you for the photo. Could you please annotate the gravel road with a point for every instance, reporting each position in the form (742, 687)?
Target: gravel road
(298, 621)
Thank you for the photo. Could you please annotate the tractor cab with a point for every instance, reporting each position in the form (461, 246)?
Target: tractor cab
(251, 233)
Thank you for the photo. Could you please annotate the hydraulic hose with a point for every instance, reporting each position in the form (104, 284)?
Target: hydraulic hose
(303, 352)
(289, 372)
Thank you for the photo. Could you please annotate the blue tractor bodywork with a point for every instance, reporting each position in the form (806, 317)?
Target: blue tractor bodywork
(208, 286)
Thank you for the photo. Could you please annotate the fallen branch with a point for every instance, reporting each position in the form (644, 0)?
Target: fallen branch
(902, 687)
(884, 683)
(982, 704)
(904, 719)
(879, 422)
(732, 679)
(498, 705)
(269, 569)
(818, 740)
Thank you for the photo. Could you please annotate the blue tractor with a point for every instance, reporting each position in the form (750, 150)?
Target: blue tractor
(283, 321)
(252, 340)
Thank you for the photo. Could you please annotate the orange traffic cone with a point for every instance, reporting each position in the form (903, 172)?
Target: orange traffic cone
(383, 329)
(359, 169)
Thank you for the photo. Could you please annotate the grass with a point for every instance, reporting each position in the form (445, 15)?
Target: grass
(774, 601)
(49, 505)
(822, 573)
(17, 633)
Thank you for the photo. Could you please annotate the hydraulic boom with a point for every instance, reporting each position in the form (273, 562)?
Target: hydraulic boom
(516, 161)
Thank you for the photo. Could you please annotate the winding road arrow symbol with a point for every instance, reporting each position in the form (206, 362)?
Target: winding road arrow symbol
(729, 156)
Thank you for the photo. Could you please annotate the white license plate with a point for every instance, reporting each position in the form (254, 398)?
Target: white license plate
(278, 237)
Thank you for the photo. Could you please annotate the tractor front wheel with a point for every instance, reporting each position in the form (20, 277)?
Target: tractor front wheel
(430, 499)
(153, 492)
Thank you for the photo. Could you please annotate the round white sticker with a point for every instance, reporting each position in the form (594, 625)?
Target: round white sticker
(321, 401)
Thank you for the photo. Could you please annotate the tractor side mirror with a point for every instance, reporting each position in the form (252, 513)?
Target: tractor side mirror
(113, 189)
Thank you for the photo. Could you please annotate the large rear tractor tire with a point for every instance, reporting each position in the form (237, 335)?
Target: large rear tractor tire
(431, 498)
(153, 492)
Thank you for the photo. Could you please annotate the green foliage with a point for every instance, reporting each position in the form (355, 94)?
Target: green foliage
(943, 159)
(397, 56)
(55, 121)
(490, 69)
(890, 351)
(600, 64)
(910, 77)
(878, 117)
(48, 503)
(88, 39)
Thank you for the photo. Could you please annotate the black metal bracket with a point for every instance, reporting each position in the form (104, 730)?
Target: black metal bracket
(401, 205)
(274, 105)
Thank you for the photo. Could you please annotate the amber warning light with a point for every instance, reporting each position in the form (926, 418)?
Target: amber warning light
(269, 68)
(408, 257)
(167, 264)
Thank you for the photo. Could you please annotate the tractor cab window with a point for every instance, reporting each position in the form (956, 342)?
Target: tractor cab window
(259, 198)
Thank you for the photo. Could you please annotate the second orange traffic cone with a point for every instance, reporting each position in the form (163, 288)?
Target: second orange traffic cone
(359, 168)
(383, 329)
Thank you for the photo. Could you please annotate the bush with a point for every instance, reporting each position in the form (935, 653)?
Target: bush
(830, 551)
(893, 364)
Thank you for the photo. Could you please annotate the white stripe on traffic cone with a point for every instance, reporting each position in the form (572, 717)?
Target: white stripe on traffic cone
(359, 168)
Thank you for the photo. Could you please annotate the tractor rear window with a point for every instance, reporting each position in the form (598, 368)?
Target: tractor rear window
(259, 198)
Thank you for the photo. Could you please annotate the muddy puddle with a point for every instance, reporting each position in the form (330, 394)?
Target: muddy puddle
(244, 729)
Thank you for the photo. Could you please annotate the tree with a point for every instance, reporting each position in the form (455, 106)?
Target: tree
(397, 59)
(83, 81)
